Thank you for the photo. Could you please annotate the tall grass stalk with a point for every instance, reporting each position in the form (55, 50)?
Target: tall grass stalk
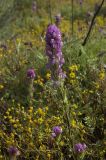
(72, 17)
(50, 11)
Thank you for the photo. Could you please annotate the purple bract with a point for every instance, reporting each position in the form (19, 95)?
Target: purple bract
(58, 19)
(53, 135)
(31, 73)
(13, 151)
(79, 147)
(57, 130)
(34, 6)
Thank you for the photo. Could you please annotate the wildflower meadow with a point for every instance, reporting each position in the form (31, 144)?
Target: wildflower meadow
(52, 80)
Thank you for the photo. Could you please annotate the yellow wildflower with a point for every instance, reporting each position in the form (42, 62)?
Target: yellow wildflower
(61, 143)
(73, 68)
(75, 106)
(48, 76)
(72, 75)
(102, 75)
(97, 86)
(90, 91)
(29, 130)
(40, 82)
(73, 81)
(41, 112)
(15, 126)
(1, 86)
(35, 81)
(46, 108)
(49, 156)
(40, 120)
(73, 123)
(73, 113)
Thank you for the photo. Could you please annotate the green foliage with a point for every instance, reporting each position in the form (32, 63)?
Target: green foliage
(30, 108)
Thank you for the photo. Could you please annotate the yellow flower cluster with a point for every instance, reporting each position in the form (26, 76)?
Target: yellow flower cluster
(72, 74)
(102, 74)
(48, 76)
(74, 68)
(39, 81)
(1, 86)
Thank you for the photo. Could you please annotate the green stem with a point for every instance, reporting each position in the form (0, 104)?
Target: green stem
(50, 11)
(92, 23)
(30, 91)
(67, 114)
(72, 16)
(13, 158)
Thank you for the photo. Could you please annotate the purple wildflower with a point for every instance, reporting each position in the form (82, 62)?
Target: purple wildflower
(96, 7)
(53, 135)
(4, 46)
(54, 51)
(1, 123)
(57, 130)
(89, 14)
(58, 19)
(79, 147)
(13, 151)
(34, 6)
(31, 73)
(81, 2)
(102, 30)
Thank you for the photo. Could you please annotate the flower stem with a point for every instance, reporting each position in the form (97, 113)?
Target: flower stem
(72, 16)
(50, 11)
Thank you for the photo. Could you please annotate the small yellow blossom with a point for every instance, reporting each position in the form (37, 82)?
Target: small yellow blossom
(91, 91)
(40, 120)
(79, 113)
(46, 108)
(73, 113)
(49, 156)
(39, 81)
(1, 157)
(73, 81)
(73, 68)
(35, 81)
(41, 112)
(72, 75)
(75, 106)
(102, 75)
(12, 121)
(48, 76)
(73, 123)
(81, 125)
(97, 86)
(15, 126)
(61, 143)
(10, 117)
(1, 86)
(7, 113)
(29, 130)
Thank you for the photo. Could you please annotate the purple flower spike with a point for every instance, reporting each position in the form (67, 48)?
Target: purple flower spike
(13, 151)
(31, 73)
(54, 52)
(34, 6)
(81, 2)
(79, 147)
(58, 19)
(57, 130)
